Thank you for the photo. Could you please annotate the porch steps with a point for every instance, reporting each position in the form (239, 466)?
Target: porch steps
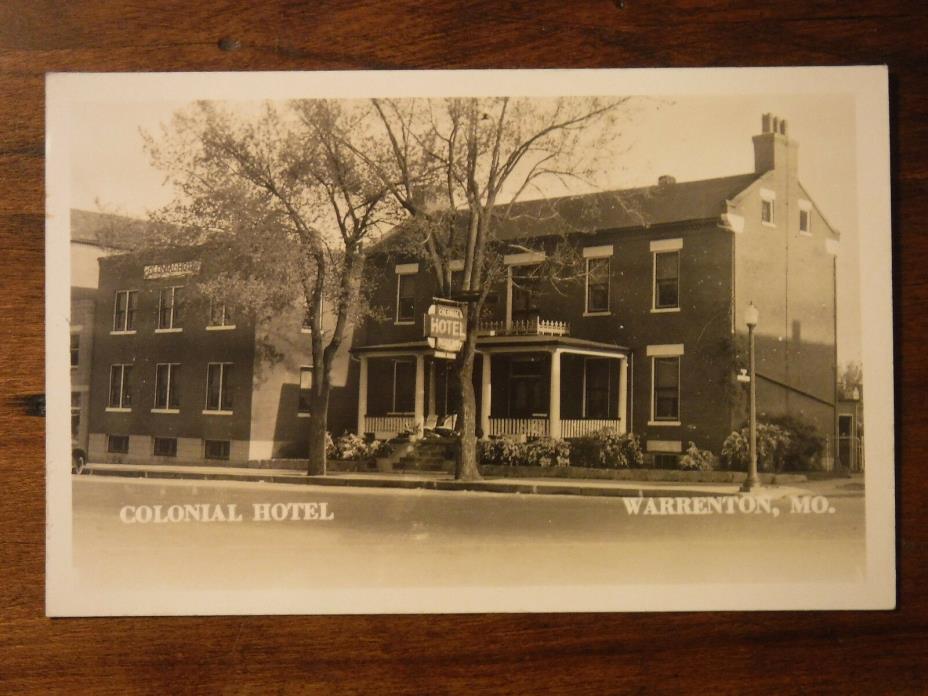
(429, 454)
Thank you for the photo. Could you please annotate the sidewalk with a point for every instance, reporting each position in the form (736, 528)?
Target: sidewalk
(439, 481)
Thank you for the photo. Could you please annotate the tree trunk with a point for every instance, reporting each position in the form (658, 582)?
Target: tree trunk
(466, 465)
(318, 419)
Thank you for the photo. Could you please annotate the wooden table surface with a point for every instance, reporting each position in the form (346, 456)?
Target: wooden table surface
(850, 652)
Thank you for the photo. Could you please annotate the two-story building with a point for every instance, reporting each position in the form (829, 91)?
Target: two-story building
(651, 339)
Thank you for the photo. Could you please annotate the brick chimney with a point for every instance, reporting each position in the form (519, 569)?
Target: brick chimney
(773, 149)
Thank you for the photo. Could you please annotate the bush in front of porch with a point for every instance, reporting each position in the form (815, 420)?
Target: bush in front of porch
(603, 449)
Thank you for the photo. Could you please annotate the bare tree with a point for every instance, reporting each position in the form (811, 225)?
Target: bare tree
(459, 168)
(284, 210)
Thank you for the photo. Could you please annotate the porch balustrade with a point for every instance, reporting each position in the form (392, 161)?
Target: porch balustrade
(535, 326)
(388, 424)
(535, 427)
(578, 428)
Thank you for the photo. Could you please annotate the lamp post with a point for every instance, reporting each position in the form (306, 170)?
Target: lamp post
(751, 317)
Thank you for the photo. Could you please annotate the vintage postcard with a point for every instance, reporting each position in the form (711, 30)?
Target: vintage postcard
(461, 341)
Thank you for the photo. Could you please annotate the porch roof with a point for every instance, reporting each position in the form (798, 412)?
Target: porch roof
(503, 344)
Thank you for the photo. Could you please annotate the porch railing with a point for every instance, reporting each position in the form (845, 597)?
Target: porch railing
(388, 424)
(537, 427)
(535, 326)
(579, 428)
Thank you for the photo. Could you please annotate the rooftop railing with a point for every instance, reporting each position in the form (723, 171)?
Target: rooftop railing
(535, 326)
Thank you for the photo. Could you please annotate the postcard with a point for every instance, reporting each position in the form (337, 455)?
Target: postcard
(469, 341)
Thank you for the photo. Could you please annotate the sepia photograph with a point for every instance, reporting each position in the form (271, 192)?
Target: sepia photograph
(509, 341)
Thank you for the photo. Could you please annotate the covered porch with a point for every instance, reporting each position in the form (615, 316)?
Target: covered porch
(531, 385)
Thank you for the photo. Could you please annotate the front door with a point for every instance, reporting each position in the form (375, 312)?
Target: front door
(527, 388)
(845, 440)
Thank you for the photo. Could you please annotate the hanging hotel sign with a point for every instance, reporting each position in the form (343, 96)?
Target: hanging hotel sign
(445, 327)
(171, 270)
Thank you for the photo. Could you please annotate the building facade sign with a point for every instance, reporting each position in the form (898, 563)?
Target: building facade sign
(445, 327)
(171, 270)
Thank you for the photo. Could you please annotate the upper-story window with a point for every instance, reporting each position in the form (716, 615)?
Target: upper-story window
(120, 387)
(306, 326)
(406, 292)
(525, 291)
(219, 316)
(166, 376)
(218, 391)
(306, 387)
(805, 217)
(75, 350)
(598, 270)
(125, 307)
(666, 288)
(768, 200)
(169, 308)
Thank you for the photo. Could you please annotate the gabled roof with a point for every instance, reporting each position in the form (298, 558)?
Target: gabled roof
(626, 208)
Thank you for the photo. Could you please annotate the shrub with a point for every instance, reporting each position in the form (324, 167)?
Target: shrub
(503, 451)
(355, 447)
(772, 444)
(508, 451)
(697, 459)
(805, 447)
(607, 449)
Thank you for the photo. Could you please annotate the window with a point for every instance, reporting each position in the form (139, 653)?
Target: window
(75, 413)
(169, 306)
(218, 393)
(125, 307)
(165, 447)
(524, 281)
(219, 316)
(166, 375)
(597, 285)
(597, 387)
(117, 444)
(804, 221)
(404, 380)
(405, 298)
(528, 390)
(768, 199)
(120, 390)
(665, 404)
(75, 350)
(307, 317)
(306, 385)
(667, 280)
(216, 449)
(665, 461)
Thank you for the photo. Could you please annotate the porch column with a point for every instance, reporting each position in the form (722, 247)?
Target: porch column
(554, 399)
(432, 371)
(486, 394)
(362, 395)
(419, 408)
(623, 395)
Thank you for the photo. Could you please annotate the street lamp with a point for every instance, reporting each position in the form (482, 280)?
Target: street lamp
(751, 317)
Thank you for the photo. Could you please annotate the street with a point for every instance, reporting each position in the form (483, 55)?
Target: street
(388, 537)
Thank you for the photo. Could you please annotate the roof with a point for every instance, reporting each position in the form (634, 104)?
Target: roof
(625, 208)
(105, 229)
(529, 342)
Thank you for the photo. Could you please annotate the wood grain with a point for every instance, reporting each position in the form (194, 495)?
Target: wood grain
(850, 652)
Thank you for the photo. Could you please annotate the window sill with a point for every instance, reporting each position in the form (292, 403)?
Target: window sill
(305, 330)
(165, 410)
(604, 313)
(804, 234)
(768, 224)
(224, 327)
(302, 414)
(168, 330)
(411, 322)
(676, 424)
(664, 310)
(131, 332)
(207, 412)
(118, 409)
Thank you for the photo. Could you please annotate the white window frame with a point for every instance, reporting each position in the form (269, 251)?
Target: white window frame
(120, 407)
(123, 331)
(172, 328)
(75, 365)
(299, 412)
(207, 411)
(210, 326)
(665, 246)
(768, 196)
(805, 207)
(671, 350)
(404, 269)
(167, 408)
(594, 254)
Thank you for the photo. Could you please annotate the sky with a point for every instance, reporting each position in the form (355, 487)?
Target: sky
(689, 138)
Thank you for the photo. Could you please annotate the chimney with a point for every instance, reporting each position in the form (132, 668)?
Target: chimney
(666, 180)
(773, 149)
